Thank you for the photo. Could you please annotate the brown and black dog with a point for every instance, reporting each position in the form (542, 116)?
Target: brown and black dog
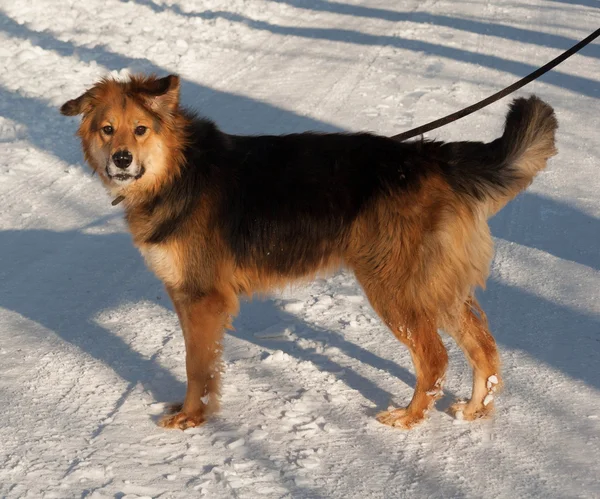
(217, 216)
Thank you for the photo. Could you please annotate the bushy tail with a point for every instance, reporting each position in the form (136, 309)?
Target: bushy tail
(495, 173)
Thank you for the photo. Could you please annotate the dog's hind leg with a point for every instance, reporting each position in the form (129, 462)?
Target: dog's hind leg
(430, 359)
(203, 322)
(474, 338)
(426, 348)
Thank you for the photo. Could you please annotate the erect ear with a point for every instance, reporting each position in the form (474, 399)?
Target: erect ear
(77, 106)
(163, 93)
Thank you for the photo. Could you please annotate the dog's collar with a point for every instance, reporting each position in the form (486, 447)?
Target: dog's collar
(117, 200)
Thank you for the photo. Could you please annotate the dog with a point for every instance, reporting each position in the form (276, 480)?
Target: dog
(219, 216)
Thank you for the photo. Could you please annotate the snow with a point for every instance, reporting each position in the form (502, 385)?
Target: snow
(491, 382)
(90, 349)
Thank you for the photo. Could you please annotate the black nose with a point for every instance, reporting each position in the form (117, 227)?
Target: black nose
(122, 159)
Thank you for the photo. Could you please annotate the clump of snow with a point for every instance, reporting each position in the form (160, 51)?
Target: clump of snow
(487, 399)
(277, 356)
(491, 381)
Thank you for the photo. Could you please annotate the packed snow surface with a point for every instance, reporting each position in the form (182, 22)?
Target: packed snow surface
(90, 348)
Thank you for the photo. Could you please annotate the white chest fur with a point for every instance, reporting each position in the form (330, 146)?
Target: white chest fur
(164, 261)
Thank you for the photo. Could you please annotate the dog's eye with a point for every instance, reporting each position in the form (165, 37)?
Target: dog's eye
(140, 130)
(108, 130)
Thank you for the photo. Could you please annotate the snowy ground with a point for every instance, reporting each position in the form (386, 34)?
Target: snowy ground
(90, 348)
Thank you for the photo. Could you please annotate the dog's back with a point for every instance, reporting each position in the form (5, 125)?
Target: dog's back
(291, 205)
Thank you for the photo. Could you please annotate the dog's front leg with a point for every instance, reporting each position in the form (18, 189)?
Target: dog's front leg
(202, 321)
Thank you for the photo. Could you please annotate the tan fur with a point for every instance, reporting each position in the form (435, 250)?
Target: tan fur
(165, 262)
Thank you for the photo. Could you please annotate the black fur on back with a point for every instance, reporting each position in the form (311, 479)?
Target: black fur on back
(290, 197)
(283, 200)
(473, 168)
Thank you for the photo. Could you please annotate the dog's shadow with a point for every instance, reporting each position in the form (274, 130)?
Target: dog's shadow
(551, 226)
(260, 314)
(64, 280)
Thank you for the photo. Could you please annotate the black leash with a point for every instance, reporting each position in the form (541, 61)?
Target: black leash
(498, 95)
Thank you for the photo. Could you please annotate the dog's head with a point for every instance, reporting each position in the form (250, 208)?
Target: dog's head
(129, 130)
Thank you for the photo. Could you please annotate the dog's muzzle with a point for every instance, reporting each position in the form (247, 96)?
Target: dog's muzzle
(122, 169)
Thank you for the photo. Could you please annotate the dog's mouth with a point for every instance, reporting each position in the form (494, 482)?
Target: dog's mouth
(122, 177)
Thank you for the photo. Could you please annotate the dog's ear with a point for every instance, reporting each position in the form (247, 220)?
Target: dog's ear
(163, 93)
(77, 106)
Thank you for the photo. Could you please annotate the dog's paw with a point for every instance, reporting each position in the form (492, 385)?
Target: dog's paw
(477, 409)
(466, 411)
(399, 418)
(179, 420)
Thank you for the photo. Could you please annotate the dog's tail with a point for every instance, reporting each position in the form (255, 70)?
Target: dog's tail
(495, 173)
